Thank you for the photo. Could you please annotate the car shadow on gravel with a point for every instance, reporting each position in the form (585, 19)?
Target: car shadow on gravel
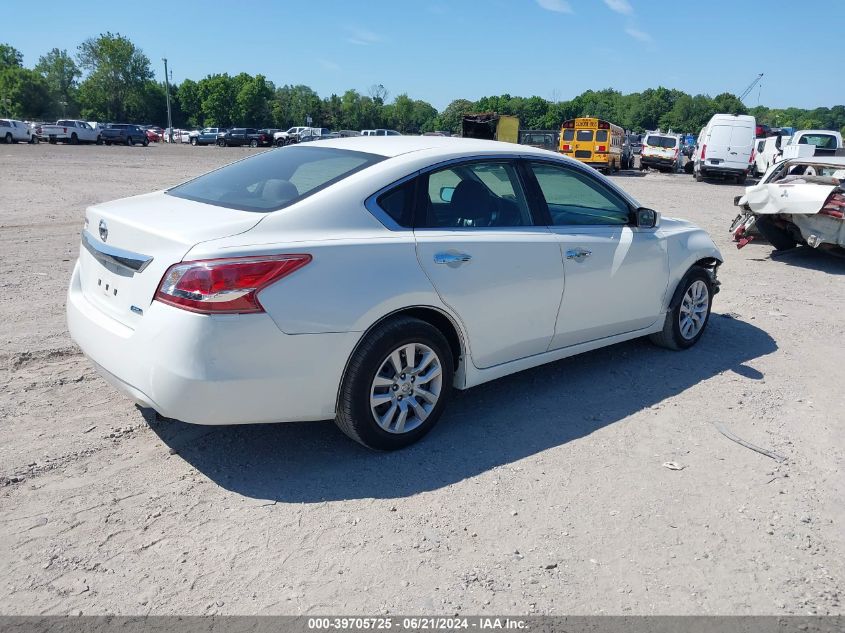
(494, 424)
(800, 257)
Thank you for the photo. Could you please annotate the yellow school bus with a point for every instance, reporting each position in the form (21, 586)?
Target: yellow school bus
(593, 141)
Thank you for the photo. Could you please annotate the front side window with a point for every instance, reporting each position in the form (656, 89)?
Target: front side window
(475, 195)
(576, 198)
(276, 179)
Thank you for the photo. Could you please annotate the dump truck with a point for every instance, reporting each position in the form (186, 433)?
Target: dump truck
(490, 126)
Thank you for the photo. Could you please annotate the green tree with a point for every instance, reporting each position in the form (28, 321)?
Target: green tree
(727, 103)
(23, 94)
(187, 95)
(291, 104)
(61, 74)
(118, 73)
(450, 119)
(252, 100)
(10, 57)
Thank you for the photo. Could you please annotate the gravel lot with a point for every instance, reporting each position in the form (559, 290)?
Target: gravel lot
(542, 493)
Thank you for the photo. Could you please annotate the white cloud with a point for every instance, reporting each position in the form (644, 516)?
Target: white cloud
(362, 37)
(620, 6)
(637, 34)
(560, 6)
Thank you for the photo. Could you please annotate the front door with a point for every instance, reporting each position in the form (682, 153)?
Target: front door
(615, 273)
(499, 273)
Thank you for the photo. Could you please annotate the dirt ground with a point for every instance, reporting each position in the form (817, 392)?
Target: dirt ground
(544, 492)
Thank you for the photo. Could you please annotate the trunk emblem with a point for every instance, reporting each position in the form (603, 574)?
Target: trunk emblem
(104, 230)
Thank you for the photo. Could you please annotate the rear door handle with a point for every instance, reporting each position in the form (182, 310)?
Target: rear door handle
(578, 254)
(452, 258)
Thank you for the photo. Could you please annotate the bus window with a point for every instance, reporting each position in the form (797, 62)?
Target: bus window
(601, 136)
(584, 135)
(568, 135)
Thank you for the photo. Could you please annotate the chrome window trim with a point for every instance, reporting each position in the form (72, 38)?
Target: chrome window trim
(134, 262)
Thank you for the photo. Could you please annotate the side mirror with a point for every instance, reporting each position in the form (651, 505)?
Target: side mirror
(647, 218)
(446, 193)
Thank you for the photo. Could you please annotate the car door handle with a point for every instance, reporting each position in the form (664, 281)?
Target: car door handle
(578, 254)
(452, 258)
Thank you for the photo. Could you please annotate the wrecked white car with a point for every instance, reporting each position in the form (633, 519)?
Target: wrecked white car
(798, 201)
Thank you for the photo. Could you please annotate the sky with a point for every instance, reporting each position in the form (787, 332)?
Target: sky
(440, 50)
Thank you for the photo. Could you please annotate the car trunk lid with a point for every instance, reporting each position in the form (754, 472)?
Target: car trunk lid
(127, 245)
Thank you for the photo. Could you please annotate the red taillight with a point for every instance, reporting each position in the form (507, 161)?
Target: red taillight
(214, 286)
(567, 148)
(834, 206)
(753, 155)
(703, 151)
(601, 149)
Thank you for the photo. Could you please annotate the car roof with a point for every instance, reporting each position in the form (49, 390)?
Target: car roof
(390, 146)
(819, 160)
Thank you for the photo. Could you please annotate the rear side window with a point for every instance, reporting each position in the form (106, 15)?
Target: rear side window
(274, 179)
(398, 204)
(4, 124)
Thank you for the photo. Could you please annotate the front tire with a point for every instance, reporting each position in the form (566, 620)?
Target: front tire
(9, 138)
(74, 139)
(194, 141)
(396, 385)
(253, 143)
(689, 314)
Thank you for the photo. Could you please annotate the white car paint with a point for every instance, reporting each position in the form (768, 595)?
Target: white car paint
(516, 304)
(14, 131)
(727, 142)
(66, 130)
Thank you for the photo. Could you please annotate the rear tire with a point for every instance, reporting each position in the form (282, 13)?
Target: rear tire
(74, 139)
(689, 313)
(402, 406)
(221, 143)
(280, 142)
(699, 177)
(99, 140)
(8, 139)
(194, 141)
(129, 140)
(778, 237)
(253, 143)
(146, 142)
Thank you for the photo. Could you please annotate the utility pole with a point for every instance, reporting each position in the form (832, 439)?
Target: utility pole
(167, 94)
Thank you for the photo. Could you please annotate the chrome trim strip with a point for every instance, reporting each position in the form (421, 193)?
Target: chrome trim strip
(135, 262)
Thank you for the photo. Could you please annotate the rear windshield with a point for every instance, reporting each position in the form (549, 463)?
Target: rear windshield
(661, 141)
(824, 141)
(584, 135)
(274, 179)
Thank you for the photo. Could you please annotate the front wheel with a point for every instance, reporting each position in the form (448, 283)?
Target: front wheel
(194, 141)
(9, 140)
(129, 140)
(689, 314)
(146, 142)
(396, 385)
(74, 139)
(221, 143)
(253, 143)
(280, 142)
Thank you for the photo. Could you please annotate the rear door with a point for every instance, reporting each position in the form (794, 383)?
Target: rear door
(584, 141)
(499, 272)
(729, 145)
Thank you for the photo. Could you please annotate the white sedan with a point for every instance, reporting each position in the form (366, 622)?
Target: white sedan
(361, 279)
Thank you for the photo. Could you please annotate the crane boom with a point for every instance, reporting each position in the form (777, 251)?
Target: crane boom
(748, 90)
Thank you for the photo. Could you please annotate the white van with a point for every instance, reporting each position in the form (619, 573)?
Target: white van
(726, 147)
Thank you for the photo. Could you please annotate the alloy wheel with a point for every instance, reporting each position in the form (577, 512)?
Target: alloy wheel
(406, 388)
(693, 313)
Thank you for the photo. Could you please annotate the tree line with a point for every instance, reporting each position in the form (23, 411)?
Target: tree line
(110, 79)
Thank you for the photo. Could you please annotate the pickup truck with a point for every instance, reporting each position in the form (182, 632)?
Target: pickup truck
(289, 136)
(206, 136)
(125, 134)
(806, 143)
(12, 131)
(239, 136)
(71, 131)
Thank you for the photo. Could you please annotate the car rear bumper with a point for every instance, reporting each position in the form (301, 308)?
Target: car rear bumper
(724, 171)
(655, 161)
(226, 369)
